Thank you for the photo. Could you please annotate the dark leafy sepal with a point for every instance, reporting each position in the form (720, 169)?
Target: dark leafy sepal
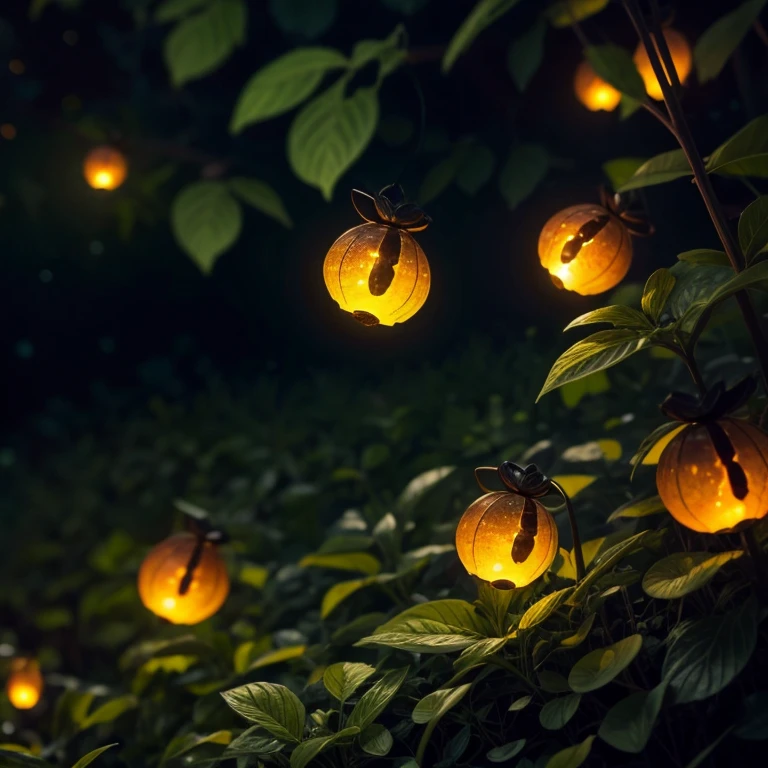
(715, 404)
(389, 207)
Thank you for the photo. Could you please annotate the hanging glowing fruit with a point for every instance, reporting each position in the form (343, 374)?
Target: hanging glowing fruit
(184, 578)
(587, 248)
(508, 538)
(713, 475)
(25, 683)
(682, 58)
(592, 91)
(105, 168)
(377, 271)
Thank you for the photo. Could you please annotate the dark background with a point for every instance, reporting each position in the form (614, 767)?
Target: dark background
(82, 307)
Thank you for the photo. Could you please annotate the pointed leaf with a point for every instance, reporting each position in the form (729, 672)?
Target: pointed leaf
(340, 592)
(628, 724)
(343, 561)
(599, 667)
(680, 574)
(373, 702)
(273, 707)
(597, 352)
(91, 756)
(705, 256)
(343, 679)
(621, 170)
(753, 228)
(308, 750)
(564, 13)
(437, 703)
(745, 153)
(656, 293)
(571, 757)
(524, 169)
(617, 315)
(506, 752)
(526, 53)
(376, 740)
(284, 84)
(635, 509)
(206, 221)
(262, 197)
(614, 65)
(542, 609)
(110, 711)
(665, 167)
(277, 656)
(330, 133)
(172, 10)
(556, 713)
(717, 44)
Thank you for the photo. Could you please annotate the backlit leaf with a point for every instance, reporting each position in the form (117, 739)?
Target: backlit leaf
(656, 293)
(602, 665)
(343, 561)
(273, 707)
(308, 750)
(614, 65)
(277, 656)
(343, 679)
(373, 702)
(556, 713)
(91, 756)
(565, 12)
(684, 572)
(665, 167)
(745, 153)
(753, 228)
(571, 757)
(437, 703)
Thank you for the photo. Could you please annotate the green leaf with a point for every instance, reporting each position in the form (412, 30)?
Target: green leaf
(614, 65)
(252, 742)
(755, 277)
(708, 750)
(340, 592)
(420, 637)
(330, 133)
(344, 561)
(594, 384)
(91, 756)
(597, 352)
(617, 315)
(753, 228)
(526, 53)
(553, 682)
(343, 679)
(656, 293)
(600, 666)
(374, 456)
(745, 153)
(634, 509)
(565, 12)
(206, 221)
(437, 703)
(480, 17)
(172, 10)
(684, 572)
(665, 167)
(707, 654)
(571, 757)
(520, 703)
(524, 169)
(273, 707)
(12, 759)
(376, 740)
(575, 640)
(262, 197)
(308, 750)
(542, 609)
(182, 745)
(110, 711)
(390, 52)
(284, 84)
(611, 557)
(621, 170)
(753, 725)
(506, 752)
(475, 169)
(705, 256)
(201, 43)
(422, 483)
(478, 653)
(438, 178)
(556, 713)
(652, 446)
(373, 702)
(717, 44)
(628, 724)
(277, 656)
(456, 616)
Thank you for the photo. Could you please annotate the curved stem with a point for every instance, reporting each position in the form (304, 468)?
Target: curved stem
(656, 52)
(660, 116)
(477, 477)
(577, 553)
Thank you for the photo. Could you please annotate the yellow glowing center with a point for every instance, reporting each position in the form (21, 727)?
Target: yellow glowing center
(23, 695)
(498, 567)
(169, 603)
(103, 179)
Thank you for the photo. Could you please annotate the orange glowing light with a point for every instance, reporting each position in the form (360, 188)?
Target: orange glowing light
(592, 91)
(682, 58)
(105, 168)
(25, 683)
(164, 569)
(694, 485)
(8, 131)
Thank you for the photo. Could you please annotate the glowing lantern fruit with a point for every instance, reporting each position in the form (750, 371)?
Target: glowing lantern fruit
(586, 249)
(592, 91)
(713, 476)
(681, 55)
(377, 271)
(507, 538)
(184, 579)
(25, 683)
(105, 168)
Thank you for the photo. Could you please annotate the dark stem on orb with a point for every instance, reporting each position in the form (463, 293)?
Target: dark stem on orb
(577, 552)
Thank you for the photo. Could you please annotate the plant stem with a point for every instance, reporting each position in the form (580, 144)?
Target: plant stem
(682, 132)
(577, 552)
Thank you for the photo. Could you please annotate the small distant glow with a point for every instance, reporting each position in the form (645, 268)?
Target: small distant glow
(16, 66)
(25, 349)
(8, 131)
(6, 649)
(45, 275)
(7, 728)
(71, 37)
(96, 248)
